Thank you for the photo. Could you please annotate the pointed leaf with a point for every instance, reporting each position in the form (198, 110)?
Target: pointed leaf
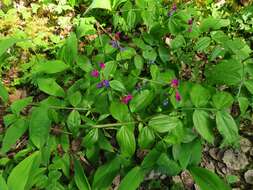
(3, 93)
(133, 179)
(13, 133)
(207, 180)
(202, 124)
(227, 127)
(39, 126)
(49, 86)
(21, 174)
(80, 178)
(126, 140)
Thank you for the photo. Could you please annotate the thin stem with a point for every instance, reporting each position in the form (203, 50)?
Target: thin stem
(113, 124)
(243, 76)
(150, 80)
(193, 108)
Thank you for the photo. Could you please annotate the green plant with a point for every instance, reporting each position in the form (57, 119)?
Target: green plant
(162, 82)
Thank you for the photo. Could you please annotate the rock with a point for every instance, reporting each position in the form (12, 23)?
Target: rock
(248, 176)
(251, 152)
(245, 144)
(235, 160)
(177, 179)
(213, 153)
(187, 180)
(196, 187)
(17, 95)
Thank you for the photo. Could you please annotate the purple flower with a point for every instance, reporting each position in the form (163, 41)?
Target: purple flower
(174, 83)
(95, 73)
(100, 85)
(177, 96)
(190, 21)
(106, 83)
(114, 44)
(102, 65)
(190, 29)
(126, 99)
(174, 7)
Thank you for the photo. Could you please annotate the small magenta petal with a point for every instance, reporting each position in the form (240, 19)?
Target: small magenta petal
(174, 83)
(102, 65)
(178, 96)
(95, 73)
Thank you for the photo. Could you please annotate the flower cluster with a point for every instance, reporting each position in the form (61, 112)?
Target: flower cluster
(95, 73)
(174, 84)
(115, 42)
(103, 83)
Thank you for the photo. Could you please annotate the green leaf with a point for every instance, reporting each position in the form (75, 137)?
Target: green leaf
(98, 4)
(149, 54)
(19, 105)
(3, 93)
(243, 104)
(80, 178)
(154, 70)
(188, 153)
(110, 69)
(117, 85)
(199, 95)
(207, 180)
(3, 185)
(7, 2)
(222, 100)
(22, 173)
(202, 44)
(176, 136)
(202, 124)
(105, 174)
(86, 27)
(75, 98)
(141, 100)
(168, 166)
(71, 49)
(119, 111)
(91, 138)
(163, 123)
(74, 121)
(49, 86)
(133, 179)
(150, 159)
(84, 63)
(50, 67)
(227, 127)
(227, 72)
(131, 18)
(39, 126)
(164, 54)
(126, 140)
(13, 133)
(6, 44)
(211, 23)
(126, 54)
(178, 42)
(146, 138)
(249, 85)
